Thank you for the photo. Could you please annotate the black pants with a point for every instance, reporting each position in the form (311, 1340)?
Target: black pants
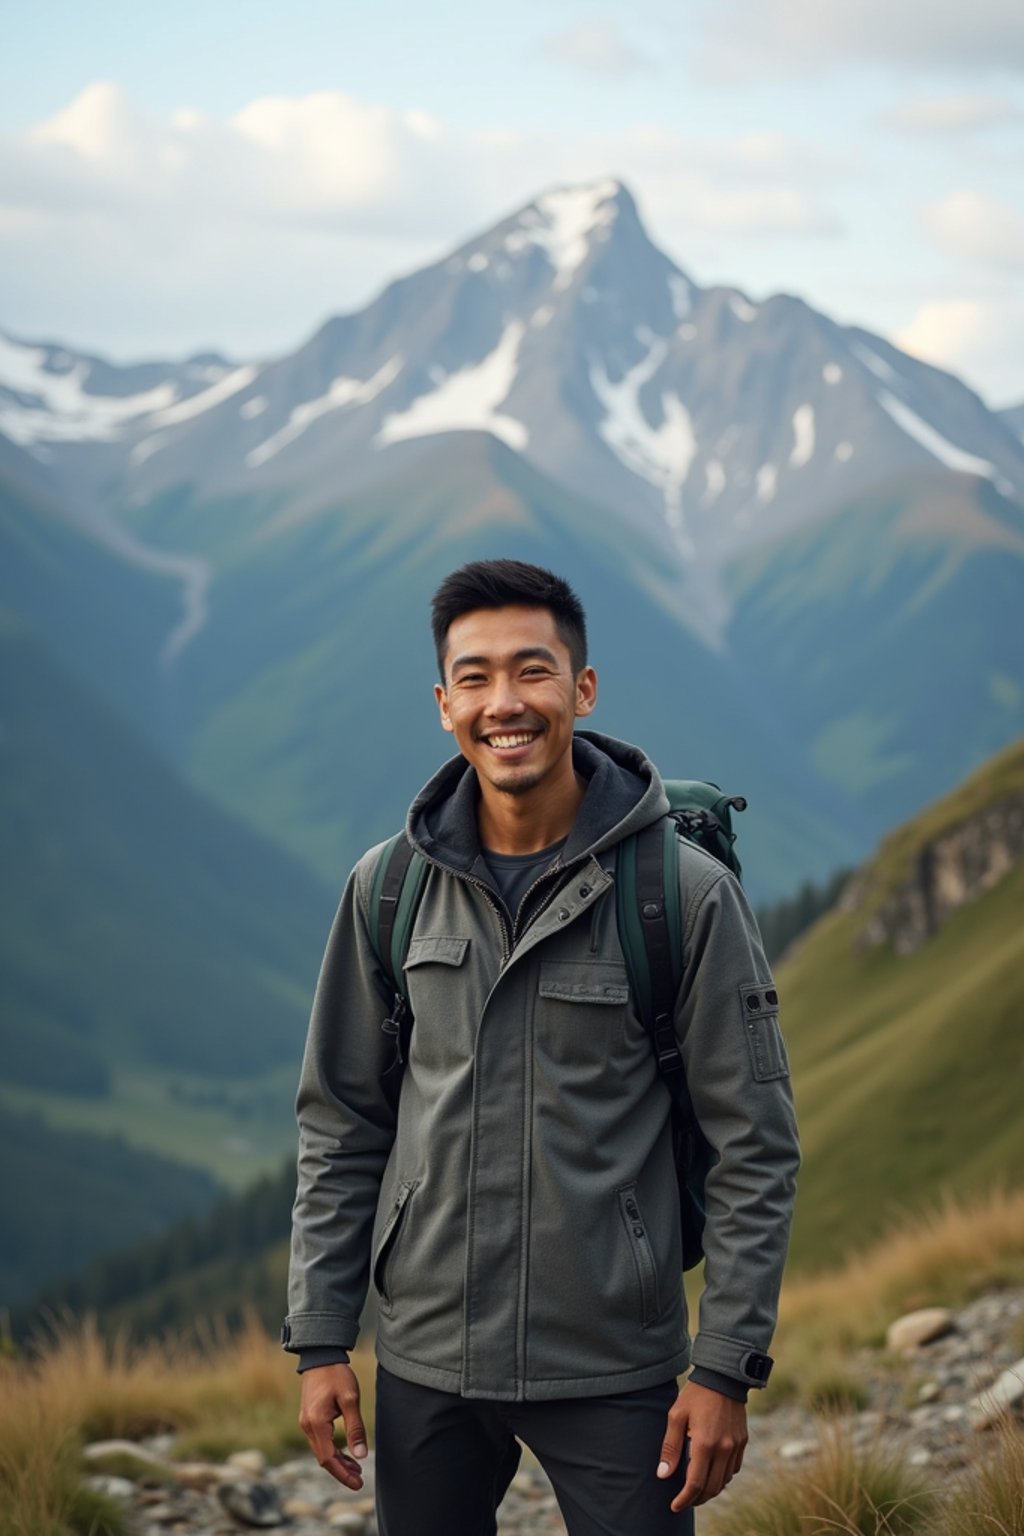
(443, 1462)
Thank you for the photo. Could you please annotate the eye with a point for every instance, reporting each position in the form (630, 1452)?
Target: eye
(536, 672)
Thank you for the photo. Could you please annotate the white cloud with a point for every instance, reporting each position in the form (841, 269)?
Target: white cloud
(744, 38)
(595, 46)
(928, 116)
(976, 229)
(976, 339)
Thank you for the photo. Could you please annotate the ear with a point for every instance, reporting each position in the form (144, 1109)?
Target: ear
(586, 691)
(442, 704)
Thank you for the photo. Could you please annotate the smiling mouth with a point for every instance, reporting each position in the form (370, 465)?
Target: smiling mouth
(505, 740)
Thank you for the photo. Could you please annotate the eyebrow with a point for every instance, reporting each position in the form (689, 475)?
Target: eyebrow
(538, 652)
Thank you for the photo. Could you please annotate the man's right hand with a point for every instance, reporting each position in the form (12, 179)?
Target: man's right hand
(331, 1392)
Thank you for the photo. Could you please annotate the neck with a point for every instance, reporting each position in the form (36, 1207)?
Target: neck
(529, 822)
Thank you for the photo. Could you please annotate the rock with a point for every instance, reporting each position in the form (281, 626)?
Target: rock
(1004, 1393)
(252, 1502)
(920, 1458)
(124, 1458)
(200, 1475)
(349, 1521)
(796, 1450)
(253, 1462)
(302, 1509)
(114, 1487)
(928, 1391)
(917, 1328)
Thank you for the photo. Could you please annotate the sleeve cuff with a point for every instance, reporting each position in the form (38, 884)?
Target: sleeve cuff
(309, 1359)
(727, 1385)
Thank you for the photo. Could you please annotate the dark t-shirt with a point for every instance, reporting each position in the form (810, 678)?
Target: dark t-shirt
(514, 873)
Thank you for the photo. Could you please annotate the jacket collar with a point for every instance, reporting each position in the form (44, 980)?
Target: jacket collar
(624, 793)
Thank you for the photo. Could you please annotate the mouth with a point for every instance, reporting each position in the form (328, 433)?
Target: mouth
(509, 741)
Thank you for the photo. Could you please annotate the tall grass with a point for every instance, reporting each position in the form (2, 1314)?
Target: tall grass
(941, 1258)
(222, 1394)
(841, 1491)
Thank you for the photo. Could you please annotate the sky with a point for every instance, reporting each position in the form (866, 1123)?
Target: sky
(220, 176)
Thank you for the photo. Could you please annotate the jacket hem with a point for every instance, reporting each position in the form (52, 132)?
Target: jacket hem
(542, 1389)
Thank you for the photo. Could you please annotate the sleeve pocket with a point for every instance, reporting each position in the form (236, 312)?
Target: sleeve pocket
(759, 1005)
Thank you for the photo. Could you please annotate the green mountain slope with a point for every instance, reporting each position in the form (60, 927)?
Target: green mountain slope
(106, 619)
(889, 637)
(310, 689)
(66, 1197)
(908, 1067)
(139, 925)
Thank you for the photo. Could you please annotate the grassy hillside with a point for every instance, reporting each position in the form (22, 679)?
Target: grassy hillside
(907, 1069)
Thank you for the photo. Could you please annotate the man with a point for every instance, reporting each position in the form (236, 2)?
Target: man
(518, 1213)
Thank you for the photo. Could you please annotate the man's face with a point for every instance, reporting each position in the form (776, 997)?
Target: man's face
(510, 696)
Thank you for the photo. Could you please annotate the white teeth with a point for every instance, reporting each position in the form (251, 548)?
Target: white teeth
(520, 740)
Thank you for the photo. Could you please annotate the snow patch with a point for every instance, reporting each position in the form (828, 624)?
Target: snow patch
(844, 452)
(680, 293)
(477, 262)
(661, 455)
(231, 384)
(831, 373)
(562, 222)
(767, 476)
(147, 447)
(61, 408)
(343, 392)
(877, 365)
(742, 308)
(942, 449)
(254, 407)
(468, 400)
(541, 316)
(803, 436)
(714, 473)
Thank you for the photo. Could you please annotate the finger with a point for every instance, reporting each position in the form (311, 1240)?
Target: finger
(696, 1478)
(343, 1469)
(717, 1477)
(355, 1433)
(672, 1445)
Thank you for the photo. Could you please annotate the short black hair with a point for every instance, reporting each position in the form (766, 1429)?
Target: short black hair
(501, 584)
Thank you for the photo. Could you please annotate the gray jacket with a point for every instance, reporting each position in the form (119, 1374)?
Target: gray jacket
(519, 1217)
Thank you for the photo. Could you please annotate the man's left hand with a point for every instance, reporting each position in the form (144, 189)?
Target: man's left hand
(716, 1427)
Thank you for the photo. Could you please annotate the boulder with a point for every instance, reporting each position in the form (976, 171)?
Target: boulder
(1004, 1393)
(917, 1328)
(251, 1502)
(253, 1462)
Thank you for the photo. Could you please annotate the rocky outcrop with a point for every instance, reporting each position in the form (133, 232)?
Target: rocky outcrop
(953, 870)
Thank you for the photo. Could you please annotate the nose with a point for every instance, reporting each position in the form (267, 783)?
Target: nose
(503, 701)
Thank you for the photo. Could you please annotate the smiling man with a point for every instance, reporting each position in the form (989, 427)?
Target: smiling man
(515, 1203)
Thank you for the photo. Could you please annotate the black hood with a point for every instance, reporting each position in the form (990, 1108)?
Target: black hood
(624, 793)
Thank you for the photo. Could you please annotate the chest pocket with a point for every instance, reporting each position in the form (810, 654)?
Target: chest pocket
(442, 1014)
(581, 1015)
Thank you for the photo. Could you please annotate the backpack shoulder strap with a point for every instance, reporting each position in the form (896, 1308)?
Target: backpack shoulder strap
(394, 898)
(649, 917)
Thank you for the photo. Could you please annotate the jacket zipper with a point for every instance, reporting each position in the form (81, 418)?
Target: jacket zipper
(643, 1258)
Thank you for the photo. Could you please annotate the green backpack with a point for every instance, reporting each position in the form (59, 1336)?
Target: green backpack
(650, 925)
